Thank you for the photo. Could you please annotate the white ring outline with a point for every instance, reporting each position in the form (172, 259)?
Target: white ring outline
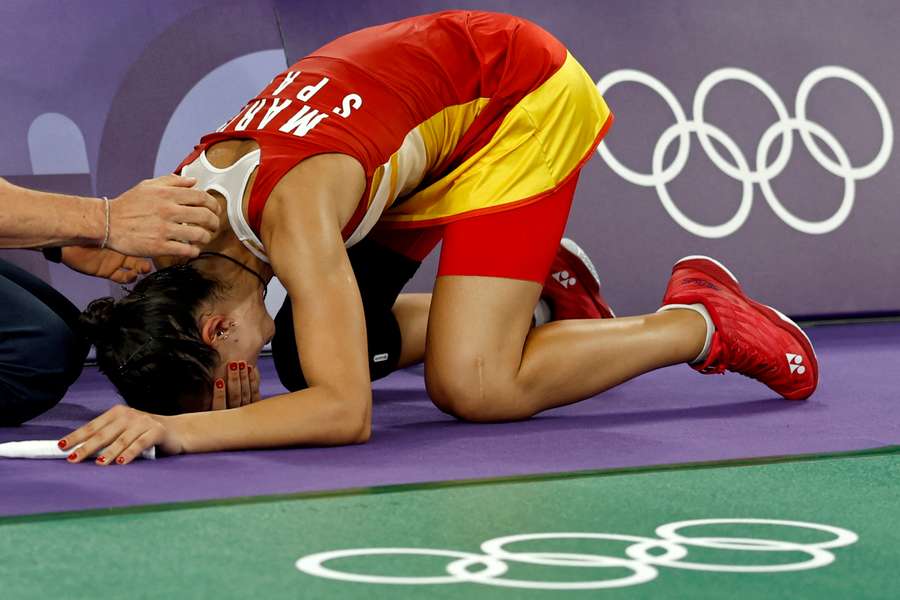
(743, 211)
(887, 126)
(641, 573)
(843, 537)
(818, 557)
(314, 564)
(843, 212)
(684, 142)
(735, 74)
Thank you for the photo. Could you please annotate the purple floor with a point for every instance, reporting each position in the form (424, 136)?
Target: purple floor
(670, 416)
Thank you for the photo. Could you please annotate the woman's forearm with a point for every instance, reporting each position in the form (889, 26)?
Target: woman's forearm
(310, 417)
(32, 219)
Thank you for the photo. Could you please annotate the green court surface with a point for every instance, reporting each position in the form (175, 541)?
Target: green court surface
(249, 548)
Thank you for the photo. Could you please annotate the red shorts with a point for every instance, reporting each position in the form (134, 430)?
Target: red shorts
(517, 243)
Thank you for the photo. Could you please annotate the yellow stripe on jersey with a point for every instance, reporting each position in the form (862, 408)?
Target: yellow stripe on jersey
(546, 136)
(442, 132)
(426, 146)
(395, 160)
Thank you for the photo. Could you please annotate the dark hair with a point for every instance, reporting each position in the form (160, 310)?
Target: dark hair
(149, 343)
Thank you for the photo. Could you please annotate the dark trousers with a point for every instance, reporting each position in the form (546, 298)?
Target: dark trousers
(41, 354)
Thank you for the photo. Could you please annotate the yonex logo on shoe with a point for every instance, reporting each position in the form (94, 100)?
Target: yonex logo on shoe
(795, 362)
(700, 282)
(563, 278)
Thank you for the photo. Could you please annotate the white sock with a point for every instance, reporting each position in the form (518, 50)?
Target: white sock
(710, 328)
(542, 313)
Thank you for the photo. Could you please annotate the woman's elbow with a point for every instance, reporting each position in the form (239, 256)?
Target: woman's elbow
(355, 418)
(356, 429)
(363, 433)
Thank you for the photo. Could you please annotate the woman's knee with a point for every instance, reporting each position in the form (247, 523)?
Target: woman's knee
(469, 388)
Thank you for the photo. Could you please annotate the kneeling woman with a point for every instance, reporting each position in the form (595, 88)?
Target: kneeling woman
(468, 128)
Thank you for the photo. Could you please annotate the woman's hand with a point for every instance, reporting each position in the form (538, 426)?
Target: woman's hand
(241, 387)
(121, 434)
(106, 263)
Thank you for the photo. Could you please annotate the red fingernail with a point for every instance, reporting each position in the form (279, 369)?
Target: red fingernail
(73, 456)
(61, 444)
(249, 368)
(241, 365)
(220, 383)
(232, 366)
(120, 460)
(101, 459)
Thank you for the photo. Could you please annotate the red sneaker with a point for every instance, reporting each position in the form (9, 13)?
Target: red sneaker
(572, 288)
(751, 338)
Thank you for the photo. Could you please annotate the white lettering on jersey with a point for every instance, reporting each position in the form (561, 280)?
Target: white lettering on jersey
(289, 78)
(225, 125)
(278, 105)
(306, 94)
(248, 116)
(303, 122)
(350, 103)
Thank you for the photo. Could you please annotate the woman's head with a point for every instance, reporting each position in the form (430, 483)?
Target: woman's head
(165, 343)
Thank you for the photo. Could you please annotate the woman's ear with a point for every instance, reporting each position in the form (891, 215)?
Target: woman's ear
(214, 329)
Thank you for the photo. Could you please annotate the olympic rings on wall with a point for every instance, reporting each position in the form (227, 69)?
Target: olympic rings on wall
(642, 564)
(738, 167)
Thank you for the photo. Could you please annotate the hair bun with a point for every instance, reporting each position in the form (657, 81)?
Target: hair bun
(97, 320)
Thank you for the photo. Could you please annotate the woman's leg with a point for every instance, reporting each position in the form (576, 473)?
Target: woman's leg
(483, 360)
(411, 312)
(484, 363)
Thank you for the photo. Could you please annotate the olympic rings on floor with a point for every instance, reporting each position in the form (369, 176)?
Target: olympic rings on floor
(642, 564)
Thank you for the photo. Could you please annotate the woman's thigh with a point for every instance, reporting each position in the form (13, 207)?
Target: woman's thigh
(476, 335)
(490, 278)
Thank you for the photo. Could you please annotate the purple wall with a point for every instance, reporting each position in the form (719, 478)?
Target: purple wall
(140, 81)
(120, 76)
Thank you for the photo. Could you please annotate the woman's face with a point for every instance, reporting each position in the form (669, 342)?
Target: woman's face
(237, 326)
(233, 320)
(241, 328)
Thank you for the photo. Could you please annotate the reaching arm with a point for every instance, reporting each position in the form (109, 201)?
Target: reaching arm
(161, 216)
(331, 338)
(301, 230)
(24, 221)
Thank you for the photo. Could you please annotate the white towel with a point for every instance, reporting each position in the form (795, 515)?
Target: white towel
(48, 449)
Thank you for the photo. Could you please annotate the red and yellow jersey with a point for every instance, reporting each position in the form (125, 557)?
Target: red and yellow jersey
(450, 114)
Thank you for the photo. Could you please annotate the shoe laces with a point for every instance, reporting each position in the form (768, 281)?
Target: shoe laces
(739, 357)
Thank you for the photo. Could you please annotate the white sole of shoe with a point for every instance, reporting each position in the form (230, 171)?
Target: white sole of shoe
(710, 259)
